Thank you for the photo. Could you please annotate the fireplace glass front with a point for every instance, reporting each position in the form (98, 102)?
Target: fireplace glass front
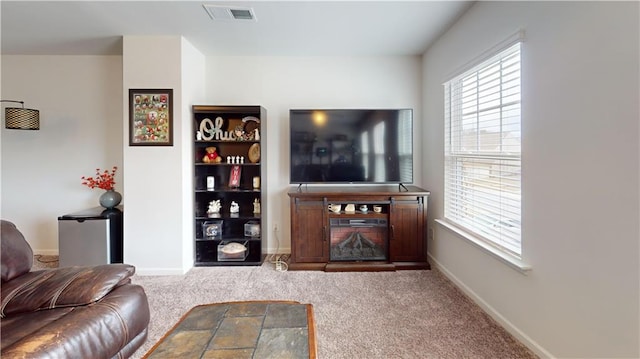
(358, 239)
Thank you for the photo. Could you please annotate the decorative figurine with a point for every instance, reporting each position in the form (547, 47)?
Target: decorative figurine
(235, 208)
(198, 135)
(211, 155)
(248, 136)
(256, 135)
(256, 206)
(214, 208)
(239, 133)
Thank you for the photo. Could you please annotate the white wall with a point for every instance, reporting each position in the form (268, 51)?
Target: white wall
(193, 92)
(156, 239)
(80, 103)
(283, 83)
(84, 114)
(580, 75)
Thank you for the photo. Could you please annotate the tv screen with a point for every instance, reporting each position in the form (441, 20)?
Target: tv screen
(351, 146)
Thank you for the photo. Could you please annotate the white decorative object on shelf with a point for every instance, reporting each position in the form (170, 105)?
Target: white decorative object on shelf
(217, 130)
(207, 129)
(250, 118)
(233, 248)
(214, 208)
(256, 206)
(350, 208)
(213, 130)
(256, 135)
(235, 208)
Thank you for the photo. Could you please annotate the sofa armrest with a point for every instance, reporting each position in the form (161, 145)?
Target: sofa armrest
(62, 287)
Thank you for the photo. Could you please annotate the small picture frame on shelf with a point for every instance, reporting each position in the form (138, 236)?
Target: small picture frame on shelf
(150, 117)
(234, 176)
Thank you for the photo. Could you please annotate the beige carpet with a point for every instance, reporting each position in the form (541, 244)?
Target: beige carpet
(404, 314)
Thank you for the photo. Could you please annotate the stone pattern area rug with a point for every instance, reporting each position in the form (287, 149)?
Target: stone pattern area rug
(238, 330)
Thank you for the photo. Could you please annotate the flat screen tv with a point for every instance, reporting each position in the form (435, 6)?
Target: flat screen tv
(360, 146)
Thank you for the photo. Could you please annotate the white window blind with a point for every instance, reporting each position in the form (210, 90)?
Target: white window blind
(482, 151)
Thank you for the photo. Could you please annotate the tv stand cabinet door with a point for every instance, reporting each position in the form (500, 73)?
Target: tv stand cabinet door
(309, 232)
(406, 242)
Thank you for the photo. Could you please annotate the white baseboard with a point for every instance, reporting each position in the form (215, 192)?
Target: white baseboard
(504, 322)
(46, 252)
(159, 271)
(278, 251)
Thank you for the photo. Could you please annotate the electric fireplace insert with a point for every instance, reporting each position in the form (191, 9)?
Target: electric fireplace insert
(359, 239)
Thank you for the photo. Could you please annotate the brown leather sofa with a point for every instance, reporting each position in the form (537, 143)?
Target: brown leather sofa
(75, 312)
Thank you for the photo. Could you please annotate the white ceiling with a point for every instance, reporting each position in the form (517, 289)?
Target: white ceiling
(283, 28)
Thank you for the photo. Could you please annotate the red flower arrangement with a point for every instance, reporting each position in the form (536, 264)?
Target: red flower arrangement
(104, 179)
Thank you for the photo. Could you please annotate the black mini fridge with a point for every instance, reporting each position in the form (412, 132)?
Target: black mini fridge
(91, 237)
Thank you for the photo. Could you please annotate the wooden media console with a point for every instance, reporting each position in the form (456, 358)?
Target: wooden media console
(391, 239)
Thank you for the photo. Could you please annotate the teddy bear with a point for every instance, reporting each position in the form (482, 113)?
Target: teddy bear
(211, 156)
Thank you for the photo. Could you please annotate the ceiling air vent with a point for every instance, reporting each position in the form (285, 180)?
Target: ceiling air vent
(229, 13)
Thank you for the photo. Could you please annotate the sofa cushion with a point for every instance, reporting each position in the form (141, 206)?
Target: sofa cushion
(62, 287)
(23, 325)
(17, 256)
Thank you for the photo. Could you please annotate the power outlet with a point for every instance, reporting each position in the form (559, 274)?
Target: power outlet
(431, 234)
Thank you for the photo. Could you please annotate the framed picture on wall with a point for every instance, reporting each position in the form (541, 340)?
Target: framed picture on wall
(150, 117)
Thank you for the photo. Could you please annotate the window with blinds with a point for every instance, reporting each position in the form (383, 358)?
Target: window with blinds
(482, 151)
